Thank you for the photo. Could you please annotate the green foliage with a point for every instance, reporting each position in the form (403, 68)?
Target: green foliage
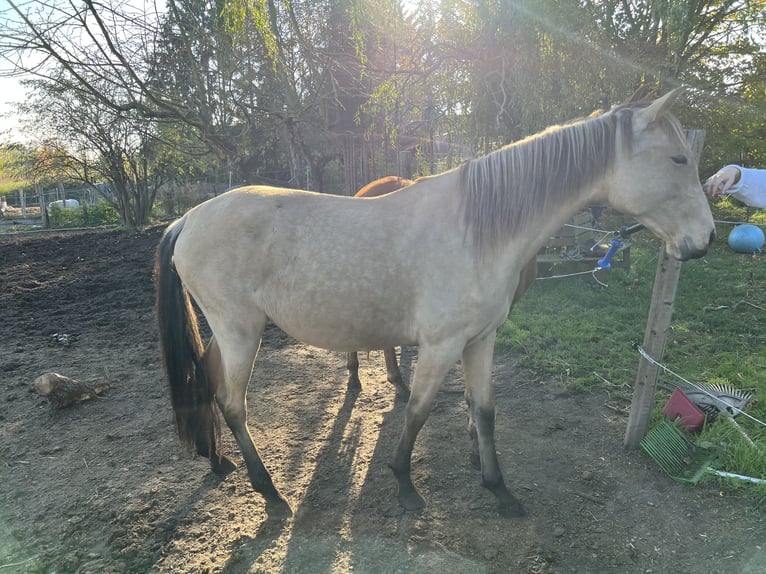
(15, 161)
(7, 187)
(576, 331)
(85, 216)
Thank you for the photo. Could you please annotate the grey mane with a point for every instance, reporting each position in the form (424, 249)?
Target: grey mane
(522, 179)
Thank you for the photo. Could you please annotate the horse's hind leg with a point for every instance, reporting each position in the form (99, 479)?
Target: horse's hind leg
(477, 366)
(352, 364)
(205, 437)
(394, 374)
(237, 358)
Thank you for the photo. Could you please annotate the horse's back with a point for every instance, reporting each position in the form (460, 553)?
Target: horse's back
(316, 220)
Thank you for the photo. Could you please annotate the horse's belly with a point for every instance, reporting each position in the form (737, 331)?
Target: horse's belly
(343, 331)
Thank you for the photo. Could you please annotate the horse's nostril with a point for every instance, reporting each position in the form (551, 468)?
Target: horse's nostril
(712, 237)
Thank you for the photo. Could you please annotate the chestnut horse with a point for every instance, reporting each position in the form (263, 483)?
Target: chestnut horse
(383, 186)
(435, 264)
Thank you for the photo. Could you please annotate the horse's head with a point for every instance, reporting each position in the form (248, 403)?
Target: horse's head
(656, 180)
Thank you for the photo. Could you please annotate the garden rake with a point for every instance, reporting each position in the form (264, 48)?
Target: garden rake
(681, 459)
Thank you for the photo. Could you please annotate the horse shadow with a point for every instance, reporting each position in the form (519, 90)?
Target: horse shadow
(368, 496)
(331, 480)
(351, 492)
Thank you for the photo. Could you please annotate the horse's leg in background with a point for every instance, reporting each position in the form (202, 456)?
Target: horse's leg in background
(235, 361)
(432, 367)
(477, 366)
(352, 364)
(394, 374)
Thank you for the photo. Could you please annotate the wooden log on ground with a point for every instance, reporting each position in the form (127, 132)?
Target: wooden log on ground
(63, 391)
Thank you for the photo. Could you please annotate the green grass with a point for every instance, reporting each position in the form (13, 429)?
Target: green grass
(578, 332)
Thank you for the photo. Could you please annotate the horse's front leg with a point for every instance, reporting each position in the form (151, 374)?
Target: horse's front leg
(477, 366)
(433, 364)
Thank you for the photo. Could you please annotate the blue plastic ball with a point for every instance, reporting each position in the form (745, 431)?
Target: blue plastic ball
(746, 238)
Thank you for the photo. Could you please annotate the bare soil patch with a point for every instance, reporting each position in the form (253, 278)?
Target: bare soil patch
(103, 486)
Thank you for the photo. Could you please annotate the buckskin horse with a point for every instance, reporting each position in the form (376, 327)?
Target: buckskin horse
(434, 264)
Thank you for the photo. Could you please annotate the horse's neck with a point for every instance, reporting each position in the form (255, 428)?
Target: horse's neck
(535, 232)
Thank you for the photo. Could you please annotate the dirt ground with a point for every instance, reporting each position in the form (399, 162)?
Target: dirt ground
(105, 487)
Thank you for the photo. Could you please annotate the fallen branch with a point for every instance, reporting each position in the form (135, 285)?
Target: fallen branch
(587, 497)
(62, 391)
(625, 411)
(753, 305)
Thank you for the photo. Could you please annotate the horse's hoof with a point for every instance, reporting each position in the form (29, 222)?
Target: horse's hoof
(278, 510)
(511, 509)
(507, 504)
(412, 501)
(222, 465)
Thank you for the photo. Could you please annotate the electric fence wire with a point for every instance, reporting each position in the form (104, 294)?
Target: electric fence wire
(604, 236)
(722, 222)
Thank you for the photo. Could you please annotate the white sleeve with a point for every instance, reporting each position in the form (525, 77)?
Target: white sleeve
(751, 187)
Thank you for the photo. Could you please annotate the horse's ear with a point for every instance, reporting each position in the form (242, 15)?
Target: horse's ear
(647, 115)
(641, 94)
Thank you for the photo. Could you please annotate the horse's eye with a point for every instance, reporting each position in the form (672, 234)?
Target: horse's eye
(679, 159)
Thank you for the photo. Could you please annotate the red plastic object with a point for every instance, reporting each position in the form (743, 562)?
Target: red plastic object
(679, 405)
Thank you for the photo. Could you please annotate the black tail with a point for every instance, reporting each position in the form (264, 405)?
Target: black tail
(182, 348)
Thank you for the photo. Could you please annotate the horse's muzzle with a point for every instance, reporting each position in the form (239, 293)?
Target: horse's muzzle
(690, 251)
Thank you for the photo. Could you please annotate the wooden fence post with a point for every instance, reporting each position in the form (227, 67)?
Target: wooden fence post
(405, 164)
(657, 327)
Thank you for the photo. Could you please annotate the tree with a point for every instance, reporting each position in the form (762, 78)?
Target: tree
(264, 84)
(16, 161)
(95, 144)
(111, 54)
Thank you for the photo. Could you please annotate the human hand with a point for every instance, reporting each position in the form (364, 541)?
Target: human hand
(720, 182)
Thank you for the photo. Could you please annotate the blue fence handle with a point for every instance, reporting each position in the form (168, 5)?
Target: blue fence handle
(614, 245)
